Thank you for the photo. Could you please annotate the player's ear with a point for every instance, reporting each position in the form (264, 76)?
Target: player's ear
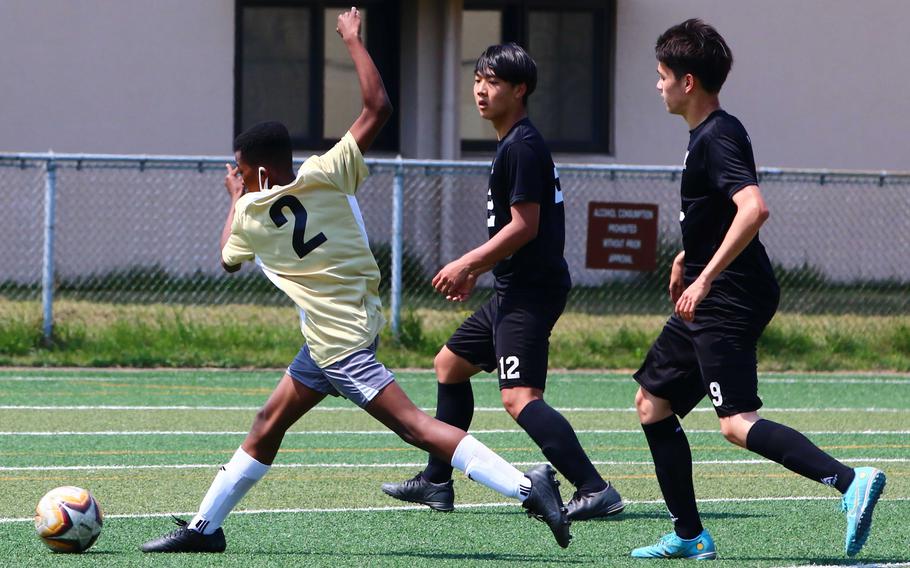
(689, 83)
(520, 90)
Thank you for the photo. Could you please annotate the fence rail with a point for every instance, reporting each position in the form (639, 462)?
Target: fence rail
(142, 228)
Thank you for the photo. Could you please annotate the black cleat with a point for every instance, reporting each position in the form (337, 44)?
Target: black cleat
(597, 505)
(545, 503)
(437, 496)
(184, 539)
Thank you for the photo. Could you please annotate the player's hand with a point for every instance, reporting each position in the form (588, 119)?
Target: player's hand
(463, 293)
(233, 182)
(677, 285)
(349, 24)
(451, 280)
(689, 300)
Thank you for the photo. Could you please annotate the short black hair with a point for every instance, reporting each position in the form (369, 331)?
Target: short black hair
(510, 62)
(697, 48)
(266, 143)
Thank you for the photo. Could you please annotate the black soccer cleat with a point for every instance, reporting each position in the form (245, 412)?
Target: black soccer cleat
(545, 503)
(597, 505)
(184, 539)
(437, 496)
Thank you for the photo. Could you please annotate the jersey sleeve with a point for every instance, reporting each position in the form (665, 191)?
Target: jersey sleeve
(343, 165)
(731, 164)
(237, 249)
(524, 170)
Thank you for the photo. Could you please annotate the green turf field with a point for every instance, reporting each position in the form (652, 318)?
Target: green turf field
(147, 443)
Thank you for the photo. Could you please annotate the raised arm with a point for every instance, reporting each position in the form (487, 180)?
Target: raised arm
(376, 105)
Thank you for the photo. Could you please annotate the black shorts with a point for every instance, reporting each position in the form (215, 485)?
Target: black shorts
(511, 333)
(714, 355)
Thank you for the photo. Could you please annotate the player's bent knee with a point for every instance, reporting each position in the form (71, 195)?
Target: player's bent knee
(732, 429)
(450, 368)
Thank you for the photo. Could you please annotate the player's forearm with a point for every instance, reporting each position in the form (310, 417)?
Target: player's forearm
(504, 244)
(746, 223)
(372, 90)
(226, 230)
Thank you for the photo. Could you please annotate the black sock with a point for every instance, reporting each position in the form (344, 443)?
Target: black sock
(455, 406)
(673, 466)
(795, 452)
(552, 432)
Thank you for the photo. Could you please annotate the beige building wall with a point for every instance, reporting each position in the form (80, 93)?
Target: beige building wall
(818, 83)
(117, 76)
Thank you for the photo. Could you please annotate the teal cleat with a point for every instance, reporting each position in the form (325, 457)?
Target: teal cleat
(859, 502)
(671, 546)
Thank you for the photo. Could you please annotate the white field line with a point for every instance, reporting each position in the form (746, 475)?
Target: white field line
(635, 431)
(357, 409)
(4, 520)
(391, 465)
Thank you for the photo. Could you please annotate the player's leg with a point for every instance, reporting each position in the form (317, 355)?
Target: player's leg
(466, 353)
(522, 330)
(670, 386)
(290, 400)
(368, 383)
(454, 403)
(860, 487)
(537, 489)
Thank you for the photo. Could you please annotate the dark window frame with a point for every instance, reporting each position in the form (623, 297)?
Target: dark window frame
(383, 41)
(515, 14)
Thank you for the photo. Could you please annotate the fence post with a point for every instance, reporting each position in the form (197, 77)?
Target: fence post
(397, 244)
(47, 277)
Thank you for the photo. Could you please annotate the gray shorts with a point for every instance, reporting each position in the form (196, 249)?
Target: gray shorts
(359, 377)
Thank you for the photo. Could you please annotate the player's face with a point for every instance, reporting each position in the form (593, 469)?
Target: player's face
(495, 97)
(672, 90)
(247, 172)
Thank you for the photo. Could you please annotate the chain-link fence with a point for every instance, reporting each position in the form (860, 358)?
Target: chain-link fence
(133, 229)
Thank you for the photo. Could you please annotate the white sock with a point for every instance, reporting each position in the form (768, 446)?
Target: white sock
(232, 482)
(483, 465)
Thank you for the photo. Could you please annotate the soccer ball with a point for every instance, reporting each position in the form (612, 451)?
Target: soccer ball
(68, 519)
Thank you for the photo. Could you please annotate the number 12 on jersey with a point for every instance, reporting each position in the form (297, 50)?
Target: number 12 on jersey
(510, 373)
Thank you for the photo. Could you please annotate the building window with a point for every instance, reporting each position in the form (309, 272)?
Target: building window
(571, 40)
(292, 67)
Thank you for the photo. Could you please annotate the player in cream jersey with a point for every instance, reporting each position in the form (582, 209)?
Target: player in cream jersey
(308, 237)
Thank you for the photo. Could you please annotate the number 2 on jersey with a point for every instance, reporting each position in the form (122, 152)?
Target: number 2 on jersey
(301, 247)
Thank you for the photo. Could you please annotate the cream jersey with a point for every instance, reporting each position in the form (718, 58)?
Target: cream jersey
(310, 241)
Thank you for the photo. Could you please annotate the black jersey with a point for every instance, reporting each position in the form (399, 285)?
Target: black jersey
(523, 171)
(719, 162)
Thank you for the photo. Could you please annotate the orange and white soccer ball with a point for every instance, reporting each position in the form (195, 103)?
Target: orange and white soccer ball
(68, 519)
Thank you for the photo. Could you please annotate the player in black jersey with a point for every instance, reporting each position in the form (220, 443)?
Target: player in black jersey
(725, 294)
(510, 333)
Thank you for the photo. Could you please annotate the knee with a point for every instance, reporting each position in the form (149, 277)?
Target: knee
(513, 407)
(641, 405)
(442, 365)
(650, 408)
(733, 432)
